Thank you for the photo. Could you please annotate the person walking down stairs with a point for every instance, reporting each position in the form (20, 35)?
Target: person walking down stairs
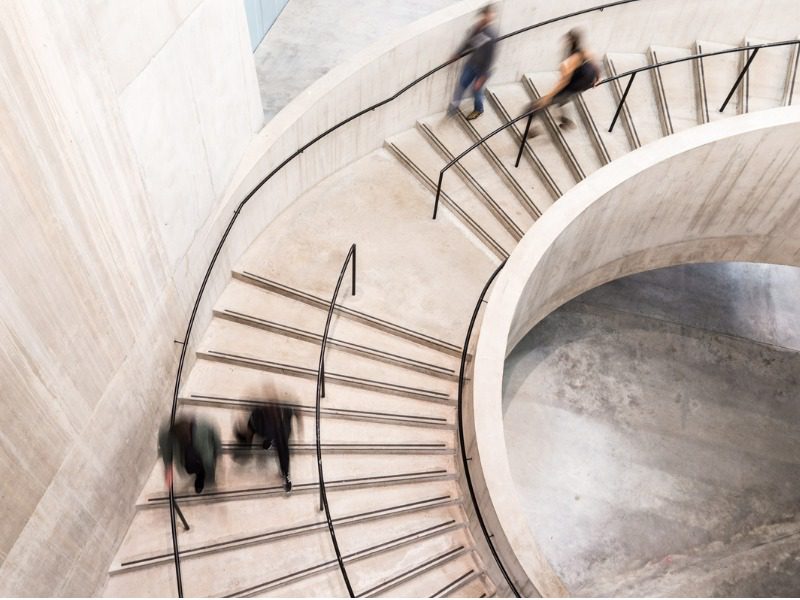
(195, 444)
(579, 72)
(481, 39)
(273, 423)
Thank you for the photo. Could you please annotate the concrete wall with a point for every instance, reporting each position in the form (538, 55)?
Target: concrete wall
(727, 191)
(122, 124)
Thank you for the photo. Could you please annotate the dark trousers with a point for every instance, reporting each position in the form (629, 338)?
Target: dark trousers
(282, 448)
(194, 466)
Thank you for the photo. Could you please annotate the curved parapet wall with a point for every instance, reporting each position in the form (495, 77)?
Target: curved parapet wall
(720, 192)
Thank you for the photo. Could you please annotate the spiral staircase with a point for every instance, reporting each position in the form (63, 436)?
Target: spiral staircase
(388, 425)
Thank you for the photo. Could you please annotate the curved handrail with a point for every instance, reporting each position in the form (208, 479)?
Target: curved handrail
(323, 496)
(464, 458)
(632, 73)
(190, 325)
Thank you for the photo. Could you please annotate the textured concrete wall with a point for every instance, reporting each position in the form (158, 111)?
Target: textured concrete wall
(122, 124)
(726, 191)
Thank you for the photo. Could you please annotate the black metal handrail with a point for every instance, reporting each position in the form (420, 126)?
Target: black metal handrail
(464, 459)
(632, 74)
(190, 325)
(323, 496)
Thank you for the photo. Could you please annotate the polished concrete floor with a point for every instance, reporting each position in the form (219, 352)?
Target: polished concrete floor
(312, 36)
(653, 428)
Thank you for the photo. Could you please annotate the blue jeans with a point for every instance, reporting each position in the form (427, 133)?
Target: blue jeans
(468, 76)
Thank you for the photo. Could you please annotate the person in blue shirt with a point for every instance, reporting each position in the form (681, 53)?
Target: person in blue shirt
(481, 40)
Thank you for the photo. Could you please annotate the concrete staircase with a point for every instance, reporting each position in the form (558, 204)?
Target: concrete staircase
(388, 428)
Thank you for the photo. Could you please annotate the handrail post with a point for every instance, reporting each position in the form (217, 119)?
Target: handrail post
(438, 193)
(322, 378)
(180, 514)
(622, 101)
(175, 555)
(524, 137)
(739, 79)
(354, 270)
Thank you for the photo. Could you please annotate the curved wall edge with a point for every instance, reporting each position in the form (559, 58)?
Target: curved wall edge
(719, 192)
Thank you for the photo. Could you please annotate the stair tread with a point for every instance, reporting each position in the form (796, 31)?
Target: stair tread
(641, 100)
(226, 521)
(456, 140)
(577, 139)
(601, 105)
(211, 380)
(505, 147)
(232, 338)
(420, 152)
(679, 83)
(251, 300)
(257, 471)
(336, 431)
(515, 99)
(719, 75)
(766, 78)
(389, 573)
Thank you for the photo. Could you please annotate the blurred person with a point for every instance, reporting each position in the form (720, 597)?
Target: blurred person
(195, 444)
(579, 72)
(481, 39)
(273, 424)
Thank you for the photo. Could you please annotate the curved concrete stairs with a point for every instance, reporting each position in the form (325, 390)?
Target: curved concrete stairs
(388, 425)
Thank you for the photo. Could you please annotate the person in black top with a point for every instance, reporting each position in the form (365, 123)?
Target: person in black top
(194, 444)
(481, 39)
(579, 72)
(273, 424)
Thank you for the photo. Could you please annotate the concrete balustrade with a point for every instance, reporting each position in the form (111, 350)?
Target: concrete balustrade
(724, 191)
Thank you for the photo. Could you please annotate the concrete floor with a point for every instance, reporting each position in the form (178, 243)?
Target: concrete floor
(653, 429)
(312, 36)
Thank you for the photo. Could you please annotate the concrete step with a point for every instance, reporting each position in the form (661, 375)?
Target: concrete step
(717, 76)
(640, 112)
(678, 88)
(422, 159)
(234, 386)
(575, 144)
(474, 585)
(340, 435)
(305, 246)
(766, 81)
(215, 526)
(598, 106)
(227, 572)
(377, 553)
(452, 138)
(417, 571)
(512, 100)
(792, 78)
(254, 305)
(413, 335)
(535, 190)
(240, 476)
(233, 342)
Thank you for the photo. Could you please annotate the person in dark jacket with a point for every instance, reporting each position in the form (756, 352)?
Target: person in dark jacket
(195, 444)
(273, 424)
(579, 72)
(481, 39)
